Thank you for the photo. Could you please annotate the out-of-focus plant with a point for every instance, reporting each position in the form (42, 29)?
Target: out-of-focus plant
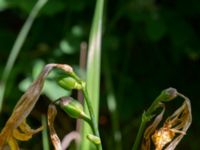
(17, 47)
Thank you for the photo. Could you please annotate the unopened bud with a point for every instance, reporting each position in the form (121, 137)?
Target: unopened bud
(169, 94)
(69, 83)
(94, 139)
(72, 107)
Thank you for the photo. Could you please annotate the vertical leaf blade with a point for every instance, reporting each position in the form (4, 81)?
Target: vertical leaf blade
(93, 67)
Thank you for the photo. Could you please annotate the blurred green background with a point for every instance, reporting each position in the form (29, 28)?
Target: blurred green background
(148, 45)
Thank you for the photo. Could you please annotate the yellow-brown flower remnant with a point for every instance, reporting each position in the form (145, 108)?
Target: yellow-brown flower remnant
(174, 128)
(16, 127)
(52, 112)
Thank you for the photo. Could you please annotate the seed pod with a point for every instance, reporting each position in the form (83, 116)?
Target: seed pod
(72, 107)
(69, 83)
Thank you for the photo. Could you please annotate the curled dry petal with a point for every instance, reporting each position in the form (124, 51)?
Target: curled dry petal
(174, 128)
(146, 143)
(181, 123)
(54, 137)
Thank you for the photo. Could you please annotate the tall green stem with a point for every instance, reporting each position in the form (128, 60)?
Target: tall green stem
(92, 120)
(91, 112)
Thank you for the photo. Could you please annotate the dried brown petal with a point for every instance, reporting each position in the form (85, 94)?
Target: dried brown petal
(28, 101)
(174, 127)
(54, 137)
(146, 144)
(183, 121)
(162, 137)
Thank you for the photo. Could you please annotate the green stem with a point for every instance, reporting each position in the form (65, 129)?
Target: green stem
(93, 124)
(166, 95)
(45, 141)
(140, 132)
(89, 121)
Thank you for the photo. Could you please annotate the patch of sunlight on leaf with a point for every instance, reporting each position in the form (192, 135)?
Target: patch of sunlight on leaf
(66, 47)
(23, 85)
(3, 5)
(77, 31)
(39, 64)
(53, 91)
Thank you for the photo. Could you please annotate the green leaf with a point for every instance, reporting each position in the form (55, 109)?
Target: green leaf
(93, 67)
(155, 27)
(3, 4)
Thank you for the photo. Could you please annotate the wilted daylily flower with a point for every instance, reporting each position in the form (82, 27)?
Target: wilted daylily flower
(16, 127)
(174, 128)
(52, 112)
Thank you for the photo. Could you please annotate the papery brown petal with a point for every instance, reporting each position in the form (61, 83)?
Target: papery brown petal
(186, 120)
(54, 137)
(146, 144)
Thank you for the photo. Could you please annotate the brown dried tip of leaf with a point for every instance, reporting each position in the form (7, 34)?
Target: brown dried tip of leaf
(173, 130)
(54, 137)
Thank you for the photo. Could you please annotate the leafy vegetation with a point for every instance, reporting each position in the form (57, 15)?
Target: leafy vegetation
(146, 47)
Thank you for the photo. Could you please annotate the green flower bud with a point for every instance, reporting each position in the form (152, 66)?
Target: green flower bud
(168, 94)
(69, 83)
(72, 107)
(94, 139)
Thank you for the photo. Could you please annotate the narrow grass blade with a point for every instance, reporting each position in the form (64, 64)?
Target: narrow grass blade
(17, 47)
(93, 68)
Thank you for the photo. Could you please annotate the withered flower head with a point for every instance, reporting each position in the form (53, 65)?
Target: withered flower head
(174, 128)
(54, 137)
